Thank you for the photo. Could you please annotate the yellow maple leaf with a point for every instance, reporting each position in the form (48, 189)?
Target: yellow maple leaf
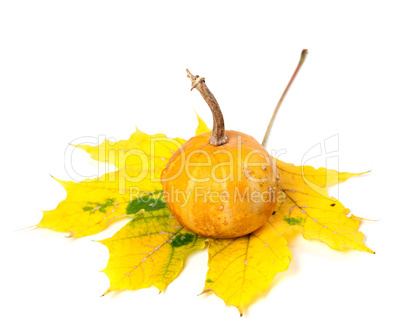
(148, 251)
(243, 267)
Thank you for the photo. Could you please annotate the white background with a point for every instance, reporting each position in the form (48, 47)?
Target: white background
(70, 69)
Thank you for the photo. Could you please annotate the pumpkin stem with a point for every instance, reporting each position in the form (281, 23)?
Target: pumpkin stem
(218, 132)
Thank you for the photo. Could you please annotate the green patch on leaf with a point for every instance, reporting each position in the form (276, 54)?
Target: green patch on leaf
(148, 202)
(208, 281)
(182, 239)
(294, 221)
(92, 207)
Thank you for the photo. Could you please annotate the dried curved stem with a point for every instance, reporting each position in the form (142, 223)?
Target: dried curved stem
(218, 137)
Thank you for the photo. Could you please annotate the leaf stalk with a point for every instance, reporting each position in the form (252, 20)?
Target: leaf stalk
(301, 61)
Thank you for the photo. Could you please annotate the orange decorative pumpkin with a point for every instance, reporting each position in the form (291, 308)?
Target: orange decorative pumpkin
(220, 184)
